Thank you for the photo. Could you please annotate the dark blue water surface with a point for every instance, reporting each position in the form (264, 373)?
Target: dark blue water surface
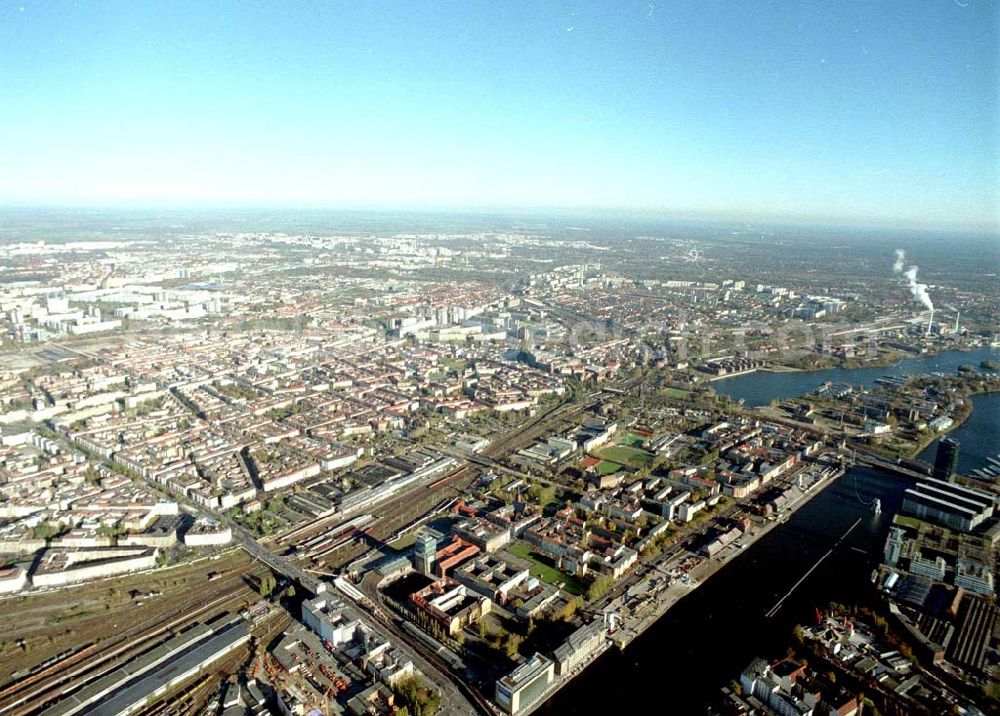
(760, 388)
(977, 436)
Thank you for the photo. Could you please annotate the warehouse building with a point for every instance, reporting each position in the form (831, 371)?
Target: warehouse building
(580, 646)
(948, 504)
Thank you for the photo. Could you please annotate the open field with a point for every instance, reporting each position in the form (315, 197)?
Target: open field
(542, 568)
(606, 467)
(405, 541)
(906, 521)
(676, 393)
(631, 440)
(627, 456)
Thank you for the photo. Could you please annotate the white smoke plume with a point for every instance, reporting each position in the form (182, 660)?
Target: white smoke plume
(897, 266)
(918, 290)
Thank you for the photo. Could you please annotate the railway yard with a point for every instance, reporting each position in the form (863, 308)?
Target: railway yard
(67, 635)
(73, 646)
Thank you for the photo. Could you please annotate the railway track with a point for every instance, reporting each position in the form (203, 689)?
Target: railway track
(515, 440)
(90, 662)
(400, 510)
(193, 699)
(74, 671)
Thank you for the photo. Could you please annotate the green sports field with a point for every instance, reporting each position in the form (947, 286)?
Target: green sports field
(606, 467)
(631, 440)
(626, 456)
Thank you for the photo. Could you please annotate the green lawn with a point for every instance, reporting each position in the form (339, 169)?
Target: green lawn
(631, 440)
(541, 567)
(453, 363)
(606, 467)
(676, 393)
(627, 456)
(906, 521)
(405, 541)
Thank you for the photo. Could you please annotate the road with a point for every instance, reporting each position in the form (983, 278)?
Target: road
(466, 700)
(281, 565)
(867, 458)
(457, 695)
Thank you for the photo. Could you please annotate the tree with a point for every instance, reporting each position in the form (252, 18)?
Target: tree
(267, 585)
(417, 697)
(512, 643)
(600, 586)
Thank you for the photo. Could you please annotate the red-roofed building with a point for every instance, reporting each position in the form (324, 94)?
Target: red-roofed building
(453, 554)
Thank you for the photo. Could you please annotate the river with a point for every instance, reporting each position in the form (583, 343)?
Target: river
(707, 638)
(977, 436)
(761, 387)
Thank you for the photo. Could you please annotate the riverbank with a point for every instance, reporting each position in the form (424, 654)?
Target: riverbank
(559, 682)
(780, 570)
(678, 582)
(957, 422)
(882, 360)
(885, 359)
(762, 387)
(748, 371)
(676, 586)
(974, 432)
(700, 643)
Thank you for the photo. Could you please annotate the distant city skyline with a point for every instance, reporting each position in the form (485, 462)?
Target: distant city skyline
(848, 112)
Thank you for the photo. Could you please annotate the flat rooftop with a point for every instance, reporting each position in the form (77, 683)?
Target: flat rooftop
(527, 671)
(939, 503)
(126, 700)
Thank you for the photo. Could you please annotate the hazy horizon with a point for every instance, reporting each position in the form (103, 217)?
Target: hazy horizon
(849, 113)
(482, 216)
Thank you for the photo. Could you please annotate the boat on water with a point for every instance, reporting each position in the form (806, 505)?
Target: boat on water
(877, 507)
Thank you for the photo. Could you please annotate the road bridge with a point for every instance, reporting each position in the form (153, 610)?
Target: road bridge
(281, 565)
(866, 458)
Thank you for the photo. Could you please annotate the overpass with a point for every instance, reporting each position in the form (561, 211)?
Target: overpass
(281, 565)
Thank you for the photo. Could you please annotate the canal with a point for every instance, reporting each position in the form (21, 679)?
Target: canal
(679, 664)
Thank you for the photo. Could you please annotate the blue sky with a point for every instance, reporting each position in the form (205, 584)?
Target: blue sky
(880, 111)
